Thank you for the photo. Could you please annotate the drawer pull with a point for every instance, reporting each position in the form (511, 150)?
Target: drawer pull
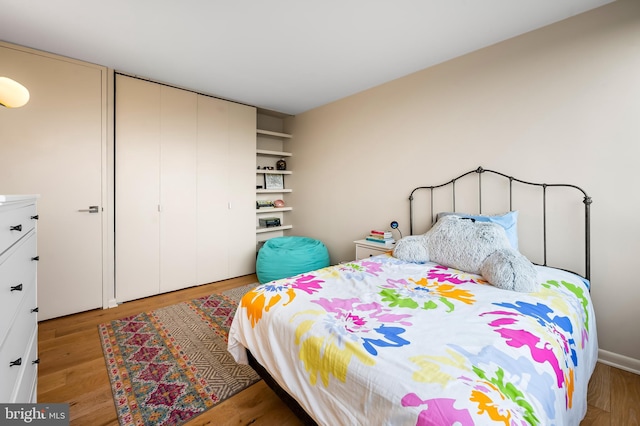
(37, 361)
(16, 228)
(35, 217)
(16, 287)
(16, 362)
(36, 258)
(34, 310)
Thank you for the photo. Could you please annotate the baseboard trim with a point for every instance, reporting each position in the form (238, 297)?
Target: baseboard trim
(112, 303)
(622, 362)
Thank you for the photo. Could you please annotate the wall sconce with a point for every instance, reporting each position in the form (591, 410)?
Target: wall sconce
(12, 93)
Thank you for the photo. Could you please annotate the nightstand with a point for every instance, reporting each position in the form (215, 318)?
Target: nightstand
(366, 249)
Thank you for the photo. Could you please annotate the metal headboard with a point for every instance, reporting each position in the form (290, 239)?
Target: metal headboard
(479, 171)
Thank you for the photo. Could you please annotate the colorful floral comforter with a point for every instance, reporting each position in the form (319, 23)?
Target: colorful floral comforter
(382, 341)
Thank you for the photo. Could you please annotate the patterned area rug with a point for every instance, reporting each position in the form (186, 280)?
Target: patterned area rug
(169, 365)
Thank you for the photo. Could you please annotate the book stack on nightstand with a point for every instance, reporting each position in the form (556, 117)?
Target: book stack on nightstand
(381, 237)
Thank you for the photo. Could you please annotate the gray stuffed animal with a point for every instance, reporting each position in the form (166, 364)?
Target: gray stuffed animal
(474, 247)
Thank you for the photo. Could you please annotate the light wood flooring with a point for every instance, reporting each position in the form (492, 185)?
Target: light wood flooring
(72, 370)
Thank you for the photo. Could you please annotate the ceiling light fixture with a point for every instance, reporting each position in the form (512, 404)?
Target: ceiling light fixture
(12, 93)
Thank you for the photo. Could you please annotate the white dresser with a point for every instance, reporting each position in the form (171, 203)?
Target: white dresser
(18, 307)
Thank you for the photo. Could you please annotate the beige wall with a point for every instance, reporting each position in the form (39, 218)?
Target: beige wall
(558, 104)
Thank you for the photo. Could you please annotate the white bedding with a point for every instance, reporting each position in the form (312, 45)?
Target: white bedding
(382, 341)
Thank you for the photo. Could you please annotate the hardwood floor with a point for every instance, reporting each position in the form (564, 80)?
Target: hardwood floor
(613, 398)
(72, 370)
(72, 367)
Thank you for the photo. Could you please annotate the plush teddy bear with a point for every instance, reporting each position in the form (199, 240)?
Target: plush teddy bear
(474, 247)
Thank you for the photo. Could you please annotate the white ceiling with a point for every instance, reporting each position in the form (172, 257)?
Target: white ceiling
(284, 55)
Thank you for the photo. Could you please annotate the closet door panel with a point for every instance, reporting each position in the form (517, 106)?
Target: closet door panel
(241, 167)
(185, 203)
(178, 177)
(137, 188)
(214, 233)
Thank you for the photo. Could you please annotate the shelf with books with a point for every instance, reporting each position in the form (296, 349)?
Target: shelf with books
(272, 174)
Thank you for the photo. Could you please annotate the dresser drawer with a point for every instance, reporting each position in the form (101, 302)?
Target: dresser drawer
(15, 347)
(364, 252)
(15, 222)
(17, 271)
(365, 249)
(25, 388)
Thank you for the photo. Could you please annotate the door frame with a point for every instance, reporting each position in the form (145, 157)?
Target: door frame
(108, 192)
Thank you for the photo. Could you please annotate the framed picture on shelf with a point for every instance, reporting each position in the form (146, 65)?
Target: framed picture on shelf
(273, 181)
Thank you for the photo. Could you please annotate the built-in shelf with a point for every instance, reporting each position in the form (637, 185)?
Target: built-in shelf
(273, 172)
(260, 230)
(273, 209)
(272, 191)
(273, 153)
(275, 134)
(270, 147)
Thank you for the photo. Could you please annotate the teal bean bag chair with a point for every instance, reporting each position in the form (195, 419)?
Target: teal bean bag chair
(283, 257)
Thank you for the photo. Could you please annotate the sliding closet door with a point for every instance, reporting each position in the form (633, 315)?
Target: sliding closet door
(185, 212)
(214, 232)
(178, 172)
(242, 195)
(137, 188)
(155, 188)
(226, 189)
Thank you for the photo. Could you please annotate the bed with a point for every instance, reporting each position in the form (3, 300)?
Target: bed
(389, 342)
